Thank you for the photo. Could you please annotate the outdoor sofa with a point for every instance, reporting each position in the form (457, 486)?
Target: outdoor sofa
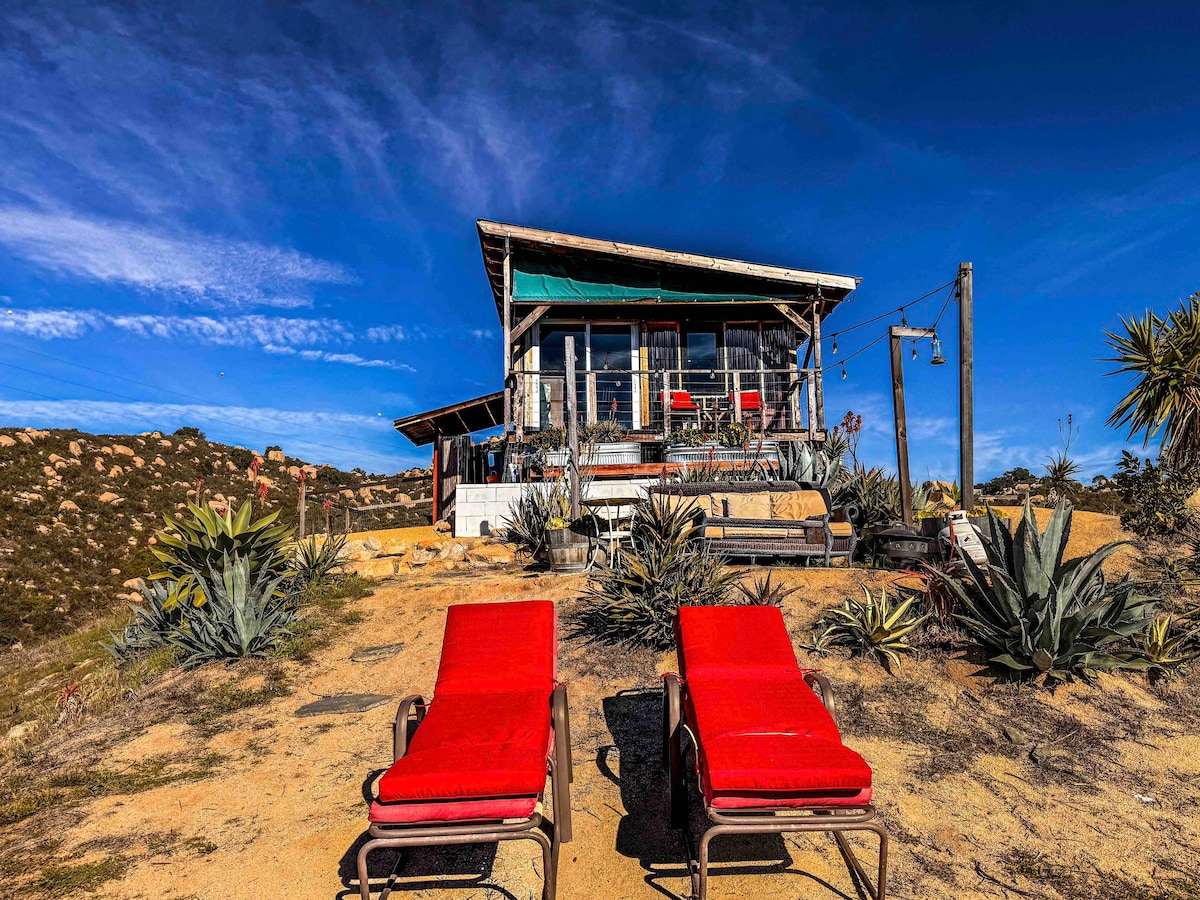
(475, 770)
(765, 518)
(768, 755)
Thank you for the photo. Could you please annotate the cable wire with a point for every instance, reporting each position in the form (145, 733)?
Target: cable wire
(890, 312)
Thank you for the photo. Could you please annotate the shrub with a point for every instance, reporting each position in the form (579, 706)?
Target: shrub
(735, 434)
(314, 560)
(1156, 495)
(1041, 616)
(761, 592)
(200, 544)
(606, 432)
(636, 600)
(871, 625)
(188, 431)
(685, 437)
(549, 439)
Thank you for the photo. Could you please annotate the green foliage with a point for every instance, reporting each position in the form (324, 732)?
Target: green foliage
(1042, 616)
(762, 592)
(685, 437)
(871, 625)
(1060, 477)
(152, 624)
(735, 434)
(197, 545)
(530, 515)
(608, 431)
(314, 560)
(1003, 484)
(1165, 645)
(247, 615)
(1163, 355)
(874, 492)
(636, 600)
(548, 439)
(820, 466)
(189, 432)
(1156, 495)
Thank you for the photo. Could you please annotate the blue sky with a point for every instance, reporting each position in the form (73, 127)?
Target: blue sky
(260, 221)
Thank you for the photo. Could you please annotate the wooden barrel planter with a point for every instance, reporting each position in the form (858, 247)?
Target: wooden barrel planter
(568, 549)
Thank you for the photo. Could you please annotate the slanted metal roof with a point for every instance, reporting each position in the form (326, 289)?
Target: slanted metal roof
(450, 421)
(738, 276)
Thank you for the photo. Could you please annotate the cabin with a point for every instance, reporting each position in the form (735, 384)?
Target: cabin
(671, 350)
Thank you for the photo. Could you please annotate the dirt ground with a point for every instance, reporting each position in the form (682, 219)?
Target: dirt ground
(987, 790)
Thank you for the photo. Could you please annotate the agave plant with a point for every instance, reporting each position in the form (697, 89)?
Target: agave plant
(874, 493)
(635, 601)
(871, 625)
(762, 592)
(529, 516)
(605, 431)
(1042, 616)
(152, 623)
(1163, 645)
(198, 544)
(802, 461)
(246, 615)
(314, 560)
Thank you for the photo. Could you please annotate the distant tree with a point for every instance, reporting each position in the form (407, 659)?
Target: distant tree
(1060, 477)
(1156, 495)
(187, 431)
(1163, 355)
(1008, 481)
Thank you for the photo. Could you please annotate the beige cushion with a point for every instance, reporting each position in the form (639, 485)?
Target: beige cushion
(746, 506)
(841, 529)
(796, 506)
(745, 531)
(714, 531)
(702, 503)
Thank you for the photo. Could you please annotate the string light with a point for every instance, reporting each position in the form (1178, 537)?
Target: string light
(844, 375)
(903, 318)
(835, 345)
(914, 343)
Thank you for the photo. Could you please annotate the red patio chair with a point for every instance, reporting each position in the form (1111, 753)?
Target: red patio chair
(751, 403)
(475, 769)
(681, 401)
(768, 755)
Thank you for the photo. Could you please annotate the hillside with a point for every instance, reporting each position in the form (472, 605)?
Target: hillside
(78, 512)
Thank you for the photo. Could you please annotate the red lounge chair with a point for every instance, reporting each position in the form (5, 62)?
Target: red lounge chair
(681, 400)
(475, 770)
(751, 405)
(768, 754)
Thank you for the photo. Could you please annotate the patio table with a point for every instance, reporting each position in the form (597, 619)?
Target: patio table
(612, 507)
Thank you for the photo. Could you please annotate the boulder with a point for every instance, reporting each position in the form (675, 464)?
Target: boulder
(74, 449)
(356, 551)
(122, 450)
(109, 497)
(6, 441)
(453, 551)
(394, 547)
(68, 505)
(138, 461)
(24, 438)
(164, 443)
(19, 733)
(99, 463)
(373, 543)
(491, 555)
(48, 471)
(441, 526)
(275, 455)
(159, 461)
(421, 556)
(55, 458)
(384, 567)
(115, 472)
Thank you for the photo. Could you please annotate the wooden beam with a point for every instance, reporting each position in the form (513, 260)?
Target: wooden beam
(507, 326)
(814, 341)
(526, 323)
(572, 426)
(794, 317)
(966, 383)
(901, 424)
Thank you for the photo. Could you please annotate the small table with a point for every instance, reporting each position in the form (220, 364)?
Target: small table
(612, 506)
(711, 408)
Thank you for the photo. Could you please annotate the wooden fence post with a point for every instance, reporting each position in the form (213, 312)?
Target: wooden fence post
(301, 509)
(572, 426)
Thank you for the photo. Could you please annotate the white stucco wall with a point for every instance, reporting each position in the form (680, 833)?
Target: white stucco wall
(479, 508)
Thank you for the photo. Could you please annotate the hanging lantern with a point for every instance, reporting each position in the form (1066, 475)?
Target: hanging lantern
(914, 349)
(712, 374)
(938, 359)
(844, 375)
(835, 345)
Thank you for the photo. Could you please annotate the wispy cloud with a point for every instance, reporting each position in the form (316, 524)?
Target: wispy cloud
(387, 333)
(192, 265)
(344, 439)
(48, 324)
(351, 359)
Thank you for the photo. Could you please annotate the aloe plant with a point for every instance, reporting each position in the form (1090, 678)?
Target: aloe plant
(872, 625)
(1041, 616)
(190, 546)
(246, 615)
(1163, 646)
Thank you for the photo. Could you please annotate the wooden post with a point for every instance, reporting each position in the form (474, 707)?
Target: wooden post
(966, 384)
(810, 379)
(572, 426)
(507, 331)
(901, 427)
(347, 520)
(593, 414)
(815, 341)
(666, 403)
(437, 477)
(300, 511)
(737, 397)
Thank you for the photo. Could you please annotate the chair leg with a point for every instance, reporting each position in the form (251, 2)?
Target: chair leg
(549, 862)
(879, 890)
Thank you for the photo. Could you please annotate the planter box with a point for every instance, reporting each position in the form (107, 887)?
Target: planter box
(716, 453)
(616, 454)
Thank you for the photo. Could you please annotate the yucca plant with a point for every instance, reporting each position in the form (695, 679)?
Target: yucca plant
(1060, 476)
(152, 623)
(875, 493)
(529, 516)
(635, 601)
(1164, 645)
(246, 614)
(1042, 616)
(802, 461)
(871, 625)
(762, 592)
(195, 545)
(314, 560)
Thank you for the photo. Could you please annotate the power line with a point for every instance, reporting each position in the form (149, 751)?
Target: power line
(899, 309)
(152, 387)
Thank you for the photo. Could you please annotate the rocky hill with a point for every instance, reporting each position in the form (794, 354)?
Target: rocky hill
(78, 512)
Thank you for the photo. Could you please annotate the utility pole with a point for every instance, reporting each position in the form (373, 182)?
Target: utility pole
(966, 384)
(898, 336)
(572, 426)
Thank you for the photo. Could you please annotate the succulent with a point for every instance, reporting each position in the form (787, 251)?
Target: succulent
(686, 437)
(1160, 650)
(314, 560)
(605, 432)
(762, 592)
(246, 615)
(636, 600)
(1042, 616)
(802, 461)
(871, 625)
(735, 434)
(530, 515)
(152, 622)
(198, 544)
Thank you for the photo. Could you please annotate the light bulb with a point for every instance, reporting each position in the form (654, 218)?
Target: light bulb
(835, 346)
(914, 349)
(844, 375)
(903, 318)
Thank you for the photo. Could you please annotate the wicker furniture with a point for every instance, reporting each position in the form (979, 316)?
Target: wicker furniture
(823, 534)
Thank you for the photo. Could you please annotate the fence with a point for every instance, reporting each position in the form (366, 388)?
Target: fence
(399, 502)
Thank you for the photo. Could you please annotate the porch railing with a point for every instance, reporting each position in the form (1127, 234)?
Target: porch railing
(770, 400)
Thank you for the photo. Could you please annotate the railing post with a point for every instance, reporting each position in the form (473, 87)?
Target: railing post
(592, 415)
(737, 397)
(666, 403)
(811, 378)
(572, 426)
(347, 520)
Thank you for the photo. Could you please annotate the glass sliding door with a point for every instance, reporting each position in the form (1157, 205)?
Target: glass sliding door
(702, 352)
(552, 366)
(610, 358)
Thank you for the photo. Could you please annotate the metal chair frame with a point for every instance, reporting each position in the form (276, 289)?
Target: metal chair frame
(760, 820)
(484, 831)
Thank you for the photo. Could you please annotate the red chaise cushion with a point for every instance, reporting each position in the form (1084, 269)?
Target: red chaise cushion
(499, 647)
(765, 739)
